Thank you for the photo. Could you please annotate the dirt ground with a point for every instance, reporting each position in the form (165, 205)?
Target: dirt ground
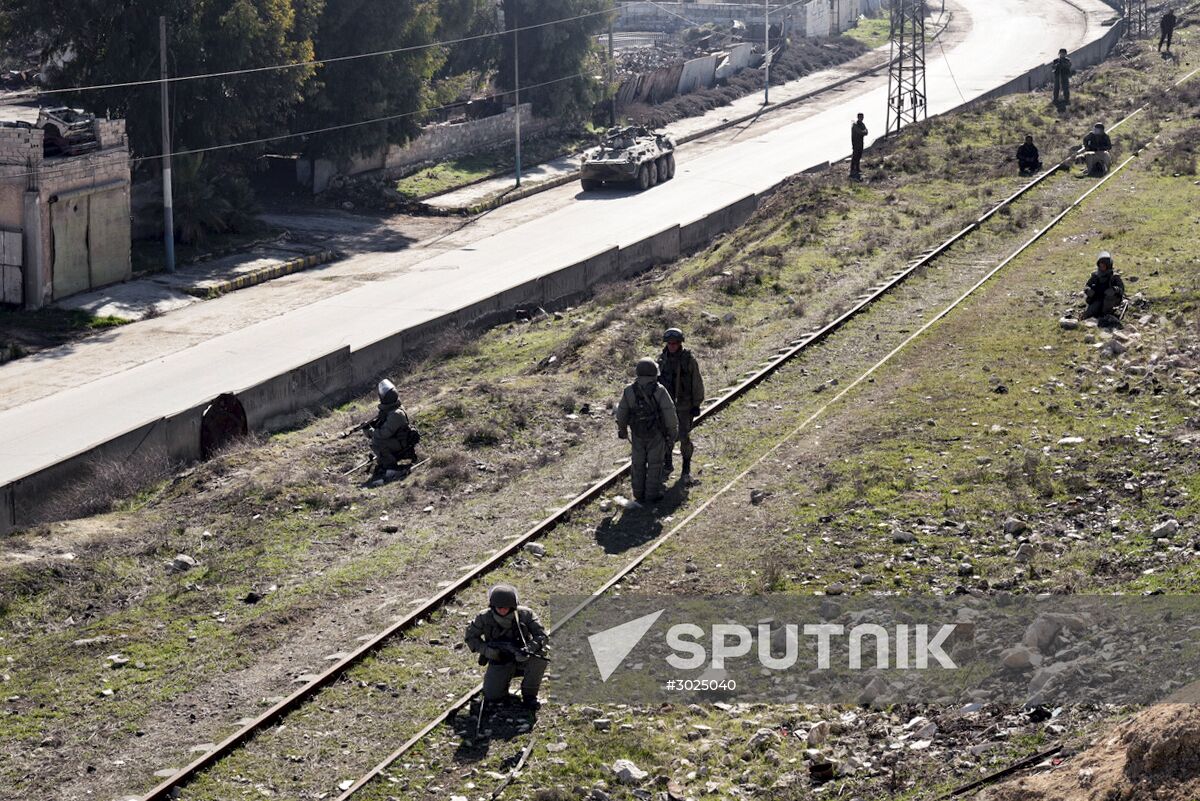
(1154, 756)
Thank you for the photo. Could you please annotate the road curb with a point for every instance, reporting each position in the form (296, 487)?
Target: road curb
(263, 274)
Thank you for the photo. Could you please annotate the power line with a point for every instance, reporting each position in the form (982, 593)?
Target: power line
(83, 169)
(314, 62)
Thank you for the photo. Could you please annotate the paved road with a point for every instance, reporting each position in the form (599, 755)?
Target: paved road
(993, 41)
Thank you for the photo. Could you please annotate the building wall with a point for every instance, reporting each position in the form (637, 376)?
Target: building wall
(434, 143)
(30, 185)
(641, 16)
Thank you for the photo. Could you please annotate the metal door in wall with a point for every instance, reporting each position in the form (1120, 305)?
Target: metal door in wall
(69, 246)
(108, 237)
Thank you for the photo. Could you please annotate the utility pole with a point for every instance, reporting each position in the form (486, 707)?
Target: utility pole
(766, 52)
(612, 78)
(906, 73)
(517, 90)
(168, 200)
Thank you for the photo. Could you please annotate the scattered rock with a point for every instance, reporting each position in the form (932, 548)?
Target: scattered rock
(117, 660)
(762, 739)
(1167, 528)
(1020, 657)
(181, 563)
(1015, 526)
(627, 772)
(818, 734)
(1068, 323)
(836, 588)
(536, 548)
(1024, 554)
(903, 537)
(758, 496)
(602, 724)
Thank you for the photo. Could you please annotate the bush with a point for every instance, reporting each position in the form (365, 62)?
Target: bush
(482, 435)
(207, 202)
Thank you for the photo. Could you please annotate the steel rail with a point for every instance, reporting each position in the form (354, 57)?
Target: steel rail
(169, 787)
(741, 388)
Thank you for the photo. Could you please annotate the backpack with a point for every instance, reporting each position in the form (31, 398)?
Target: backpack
(644, 418)
(412, 437)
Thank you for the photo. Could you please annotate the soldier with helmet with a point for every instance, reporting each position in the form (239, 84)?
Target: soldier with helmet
(511, 641)
(646, 416)
(680, 374)
(1104, 291)
(393, 436)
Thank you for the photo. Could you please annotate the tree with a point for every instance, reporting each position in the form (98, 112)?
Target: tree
(550, 54)
(371, 88)
(100, 42)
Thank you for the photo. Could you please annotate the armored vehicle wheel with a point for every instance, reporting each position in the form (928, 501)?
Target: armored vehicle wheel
(643, 178)
(669, 159)
(589, 184)
(652, 171)
(660, 164)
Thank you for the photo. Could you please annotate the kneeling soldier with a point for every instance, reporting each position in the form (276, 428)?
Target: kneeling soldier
(511, 642)
(393, 436)
(1104, 291)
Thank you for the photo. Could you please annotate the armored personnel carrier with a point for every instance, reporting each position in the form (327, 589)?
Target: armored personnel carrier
(633, 154)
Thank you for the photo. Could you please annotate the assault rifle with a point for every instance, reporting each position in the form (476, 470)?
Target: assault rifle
(365, 425)
(511, 648)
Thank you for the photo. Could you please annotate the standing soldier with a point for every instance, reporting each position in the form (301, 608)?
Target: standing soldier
(858, 136)
(1062, 78)
(511, 642)
(680, 374)
(1167, 27)
(392, 435)
(647, 410)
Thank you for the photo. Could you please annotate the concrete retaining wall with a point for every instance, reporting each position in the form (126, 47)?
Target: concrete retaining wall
(46, 495)
(287, 399)
(642, 255)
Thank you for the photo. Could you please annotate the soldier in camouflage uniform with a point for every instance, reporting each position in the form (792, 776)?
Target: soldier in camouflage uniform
(393, 436)
(680, 374)
(646, 410)
(511, 642)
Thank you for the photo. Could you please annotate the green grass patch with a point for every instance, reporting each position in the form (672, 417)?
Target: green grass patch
(871, 31)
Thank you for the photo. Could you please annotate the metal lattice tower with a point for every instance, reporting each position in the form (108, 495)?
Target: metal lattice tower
(1137, 17)
(906, 75)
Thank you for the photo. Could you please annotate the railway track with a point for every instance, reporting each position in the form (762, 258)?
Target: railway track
(282, 710)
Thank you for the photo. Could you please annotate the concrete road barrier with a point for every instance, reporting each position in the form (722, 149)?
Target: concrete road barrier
(287, 399)
(642, 255)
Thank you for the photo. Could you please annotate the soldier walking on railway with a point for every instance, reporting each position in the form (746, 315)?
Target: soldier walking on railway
(679, 372)
(1061, 67)
(393, 436)
(1104, 291)
(858, 136)
(510, 640)
(1167, 26)
(647, 411)
(1097, 150)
